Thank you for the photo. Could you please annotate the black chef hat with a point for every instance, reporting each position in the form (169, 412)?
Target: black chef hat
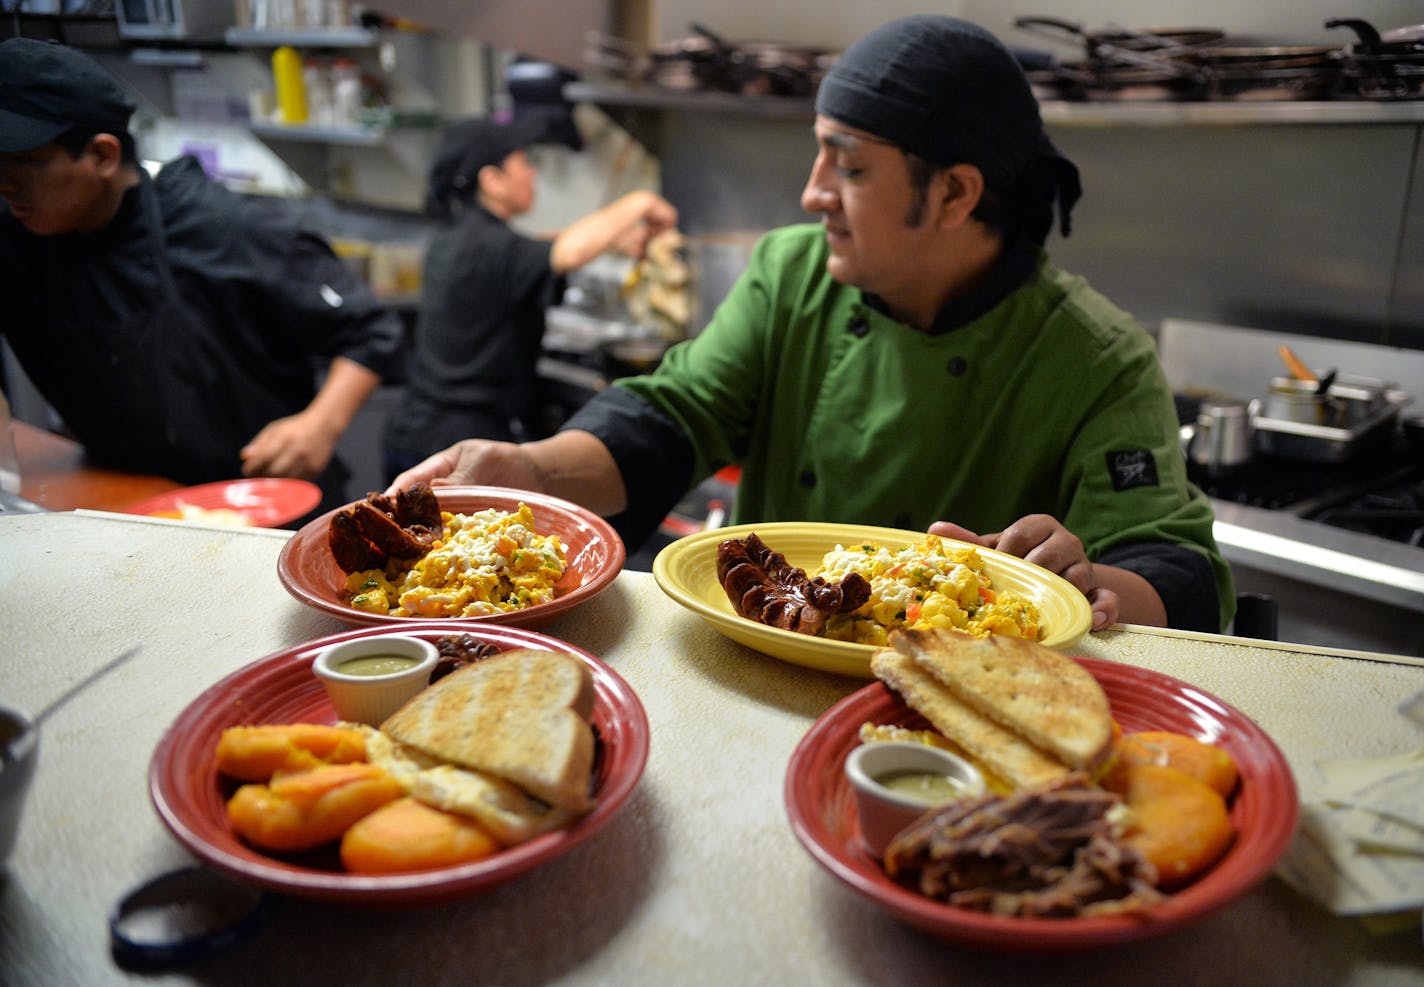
(47, 89)
(950, 92)
(465, 148)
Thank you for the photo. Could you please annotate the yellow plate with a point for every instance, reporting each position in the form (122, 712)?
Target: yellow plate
(687, 571)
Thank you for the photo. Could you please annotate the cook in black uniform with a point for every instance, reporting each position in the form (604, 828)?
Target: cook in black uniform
(486, 286)
(176, 327)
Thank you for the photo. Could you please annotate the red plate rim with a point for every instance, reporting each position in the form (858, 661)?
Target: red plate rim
(600, 556)
(281, 499)
(1264, 810)
(186, 791)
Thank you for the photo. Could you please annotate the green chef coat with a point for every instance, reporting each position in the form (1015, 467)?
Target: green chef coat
(1052, 401)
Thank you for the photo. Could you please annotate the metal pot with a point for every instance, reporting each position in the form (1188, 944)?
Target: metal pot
(1297, 422)
(1222, 437)
(1342, 402)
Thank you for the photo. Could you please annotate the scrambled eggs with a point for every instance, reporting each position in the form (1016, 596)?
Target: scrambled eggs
(924, 586)
(483, 563)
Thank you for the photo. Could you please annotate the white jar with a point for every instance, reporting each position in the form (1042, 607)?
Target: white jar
(346, 92)
(317, 80)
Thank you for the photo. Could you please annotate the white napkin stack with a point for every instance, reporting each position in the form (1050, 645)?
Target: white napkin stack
(1360, 847)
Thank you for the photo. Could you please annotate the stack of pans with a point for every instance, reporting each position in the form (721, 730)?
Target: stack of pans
(706, 62)
(1383, 66)
(1182, 64)
(1269, 72)
(1121, 63)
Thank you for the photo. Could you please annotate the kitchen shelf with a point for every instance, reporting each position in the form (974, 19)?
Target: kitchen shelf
(340, 136)
(1124, 113)
(644, 97)
(326, 37)
(1229, 113)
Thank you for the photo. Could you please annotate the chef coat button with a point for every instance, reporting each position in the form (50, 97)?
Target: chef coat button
(957, 366)
(858, 327)
(808, 478)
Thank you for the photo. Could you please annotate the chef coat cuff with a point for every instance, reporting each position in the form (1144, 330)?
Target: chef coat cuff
(652, 453)
(1182, 577)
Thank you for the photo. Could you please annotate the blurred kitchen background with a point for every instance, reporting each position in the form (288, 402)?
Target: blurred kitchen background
(1252, 178)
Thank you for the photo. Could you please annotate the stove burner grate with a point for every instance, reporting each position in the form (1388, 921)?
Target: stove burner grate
(1396, 514)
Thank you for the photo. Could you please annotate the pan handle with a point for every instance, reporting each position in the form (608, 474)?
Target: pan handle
(1053, 24)
(1364, 30)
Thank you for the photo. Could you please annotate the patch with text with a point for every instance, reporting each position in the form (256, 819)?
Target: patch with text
(1132, 468)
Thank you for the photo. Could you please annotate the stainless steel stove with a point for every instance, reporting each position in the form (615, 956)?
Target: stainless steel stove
(1359, 524)
(1339, 545)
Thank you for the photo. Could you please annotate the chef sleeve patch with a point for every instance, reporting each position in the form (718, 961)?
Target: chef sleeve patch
(1132, 468)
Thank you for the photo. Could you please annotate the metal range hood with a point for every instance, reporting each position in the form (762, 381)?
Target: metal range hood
(551, 30)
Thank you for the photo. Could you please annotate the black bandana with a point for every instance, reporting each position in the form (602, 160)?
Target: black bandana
(950, 92)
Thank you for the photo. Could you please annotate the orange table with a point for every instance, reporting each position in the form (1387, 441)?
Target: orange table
(54, 473)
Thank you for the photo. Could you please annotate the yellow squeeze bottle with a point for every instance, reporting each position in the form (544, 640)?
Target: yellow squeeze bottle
(287, 79)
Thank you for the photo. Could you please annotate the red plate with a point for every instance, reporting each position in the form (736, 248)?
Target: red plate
(191, 798)
(267, 502)
(1264, 809)
(593, 549)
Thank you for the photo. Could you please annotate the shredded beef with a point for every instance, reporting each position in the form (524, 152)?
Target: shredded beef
(1047, 852)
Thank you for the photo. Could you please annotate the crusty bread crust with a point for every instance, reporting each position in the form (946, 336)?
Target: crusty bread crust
(521, 715)
(999, 751)
(1032, 690)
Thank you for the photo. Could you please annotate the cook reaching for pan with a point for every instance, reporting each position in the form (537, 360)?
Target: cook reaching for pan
(915, 360)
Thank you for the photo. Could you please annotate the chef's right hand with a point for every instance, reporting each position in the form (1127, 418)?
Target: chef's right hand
(1042, 540)
(476, 461)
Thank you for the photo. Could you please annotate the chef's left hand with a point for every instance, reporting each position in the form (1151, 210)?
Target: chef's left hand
(1042, 540)
(298, 446)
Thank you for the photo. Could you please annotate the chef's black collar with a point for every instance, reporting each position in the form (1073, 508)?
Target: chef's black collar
(130, 206)
(1014, 266)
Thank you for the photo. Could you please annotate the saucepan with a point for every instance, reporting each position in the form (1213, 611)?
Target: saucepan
(1297, 422)
(1222, 438)
(1383, 66)
(1305, 396)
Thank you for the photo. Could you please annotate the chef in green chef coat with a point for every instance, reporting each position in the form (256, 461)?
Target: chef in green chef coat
(915, 359)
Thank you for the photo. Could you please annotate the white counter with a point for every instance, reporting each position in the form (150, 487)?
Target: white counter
(698, 880)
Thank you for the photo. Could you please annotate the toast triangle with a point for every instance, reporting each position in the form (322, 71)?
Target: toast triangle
(521, 715)
(1026, 687)
(1002, 753)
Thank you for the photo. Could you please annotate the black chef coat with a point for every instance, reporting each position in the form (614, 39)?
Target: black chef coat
(478, 338)
(168, 339)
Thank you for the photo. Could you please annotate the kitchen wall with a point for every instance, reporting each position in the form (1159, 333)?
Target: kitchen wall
(1299, 224)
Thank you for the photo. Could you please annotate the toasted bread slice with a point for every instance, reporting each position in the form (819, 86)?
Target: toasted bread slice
(1000, 752)
(521, 716)
(1030, 689)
